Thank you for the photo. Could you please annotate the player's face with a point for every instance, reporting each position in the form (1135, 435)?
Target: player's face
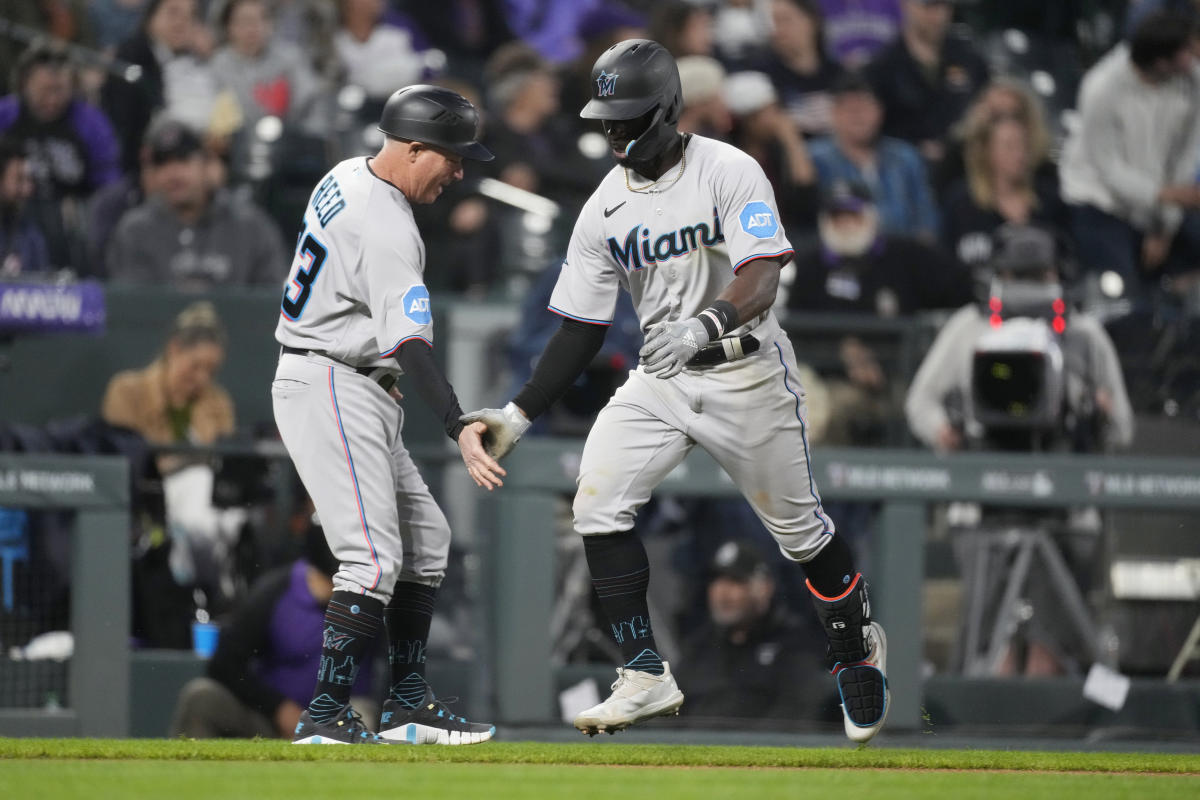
(434, 170)
(621, 132)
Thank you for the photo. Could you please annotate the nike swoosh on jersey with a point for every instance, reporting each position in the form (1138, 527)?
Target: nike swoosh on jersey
(608, 212)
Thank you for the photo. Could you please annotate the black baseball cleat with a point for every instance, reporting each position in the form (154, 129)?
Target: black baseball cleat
(429, 723)
(346, 728)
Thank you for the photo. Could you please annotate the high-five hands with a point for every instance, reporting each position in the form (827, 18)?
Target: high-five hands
(482, 468)
(670, 345)
(503, 428)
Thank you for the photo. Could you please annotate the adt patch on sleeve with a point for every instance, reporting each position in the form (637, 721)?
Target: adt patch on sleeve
(416, 304)
(758, 220)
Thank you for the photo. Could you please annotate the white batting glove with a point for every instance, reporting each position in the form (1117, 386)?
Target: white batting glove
(505, 427)
(670, 345)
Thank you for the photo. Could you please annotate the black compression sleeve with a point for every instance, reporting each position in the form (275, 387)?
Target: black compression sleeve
(416, 359)
(569, 351)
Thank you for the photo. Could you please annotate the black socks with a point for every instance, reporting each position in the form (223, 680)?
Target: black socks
(620, 575)
(351, 624)
(408, 617)
(831, 572)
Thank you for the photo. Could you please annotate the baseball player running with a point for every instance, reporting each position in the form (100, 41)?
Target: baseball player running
(689, 227)
(355, 314)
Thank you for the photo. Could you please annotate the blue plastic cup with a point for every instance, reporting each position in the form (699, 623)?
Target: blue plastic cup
(204, 638)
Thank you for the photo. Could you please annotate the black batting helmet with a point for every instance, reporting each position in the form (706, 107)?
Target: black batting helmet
(635, 78)
(435, 116)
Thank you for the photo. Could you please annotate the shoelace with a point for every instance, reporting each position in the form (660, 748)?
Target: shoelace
(443, 709)
(358, 726)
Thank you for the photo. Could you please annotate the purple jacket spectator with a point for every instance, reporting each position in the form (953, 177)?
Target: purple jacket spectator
(78, 152)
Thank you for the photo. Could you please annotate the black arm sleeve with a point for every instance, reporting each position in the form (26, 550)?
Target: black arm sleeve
(569, 351)
(416, 359)
(244, 638)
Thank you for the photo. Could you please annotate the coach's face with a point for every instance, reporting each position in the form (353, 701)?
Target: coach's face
(433, 169)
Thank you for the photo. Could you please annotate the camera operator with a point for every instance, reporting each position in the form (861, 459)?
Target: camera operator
(1092, 412)
(1021, 371)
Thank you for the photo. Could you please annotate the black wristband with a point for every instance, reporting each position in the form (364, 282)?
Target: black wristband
(719, 318)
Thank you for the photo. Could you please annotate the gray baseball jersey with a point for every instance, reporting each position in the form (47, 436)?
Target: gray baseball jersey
(354, 295)
(675, 245)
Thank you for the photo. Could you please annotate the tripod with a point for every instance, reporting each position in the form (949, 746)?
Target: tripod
(990, 550)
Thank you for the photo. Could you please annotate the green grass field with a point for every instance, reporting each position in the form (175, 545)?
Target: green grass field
(180, 770)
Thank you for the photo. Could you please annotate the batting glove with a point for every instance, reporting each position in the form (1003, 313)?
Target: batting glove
(505, 428)
(670, 345)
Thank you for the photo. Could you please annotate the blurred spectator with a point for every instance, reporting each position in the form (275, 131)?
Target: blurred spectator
(71, 146)
(750, 660)
(803, 73)
(891, 168)
(64, 20)
(702, 80)
(684, 28)
(170, 47)
(1002, 185)
(22, 245)
(535, 148)
(176, 399)
(309, 25)
(764, 131)
(267, 77)
(1128, 169)
(855, 30)
(939, 403)
(377, 56)
(260, 677)
(108, 205)
(926, 78)
(856, 267)
(740, 30)
(114, 21)
(1003, 97)
(192, 233)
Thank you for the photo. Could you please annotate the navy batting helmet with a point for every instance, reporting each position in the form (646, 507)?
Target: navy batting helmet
(435, 116)
(637, 78)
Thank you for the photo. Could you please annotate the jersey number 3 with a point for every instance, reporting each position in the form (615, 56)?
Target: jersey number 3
(293, 307)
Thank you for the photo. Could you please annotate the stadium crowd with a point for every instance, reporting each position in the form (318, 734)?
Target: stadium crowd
(173, 143)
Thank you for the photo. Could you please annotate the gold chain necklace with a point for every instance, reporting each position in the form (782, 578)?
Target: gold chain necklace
(648, 186)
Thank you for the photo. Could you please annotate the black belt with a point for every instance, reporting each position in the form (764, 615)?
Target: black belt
(385, 379)
(723, 350)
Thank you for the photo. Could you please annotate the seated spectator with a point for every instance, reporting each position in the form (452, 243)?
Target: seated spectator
(267, 77)
(260, 678)
(23, 248)
(684, 28)
(704, 111)
(171, 47)
(535, 147)
(766, 133)
(856, 267)
(1003, 97)
(751, 660)
(193, 233)
(741, 29)
(374, 55)
(926, 78)
(71, 145)
(855, 30)
(61, 20)
(1128, 169)
(892, 169)
(798, 65)
(1002, 185)
(175, 399)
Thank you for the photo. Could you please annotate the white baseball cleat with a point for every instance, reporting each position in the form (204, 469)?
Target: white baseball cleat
(863, 688)
(635, 696)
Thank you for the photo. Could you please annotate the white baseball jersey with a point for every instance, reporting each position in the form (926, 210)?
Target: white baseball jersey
(355, 295)
(675, 246)
(356, 290)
